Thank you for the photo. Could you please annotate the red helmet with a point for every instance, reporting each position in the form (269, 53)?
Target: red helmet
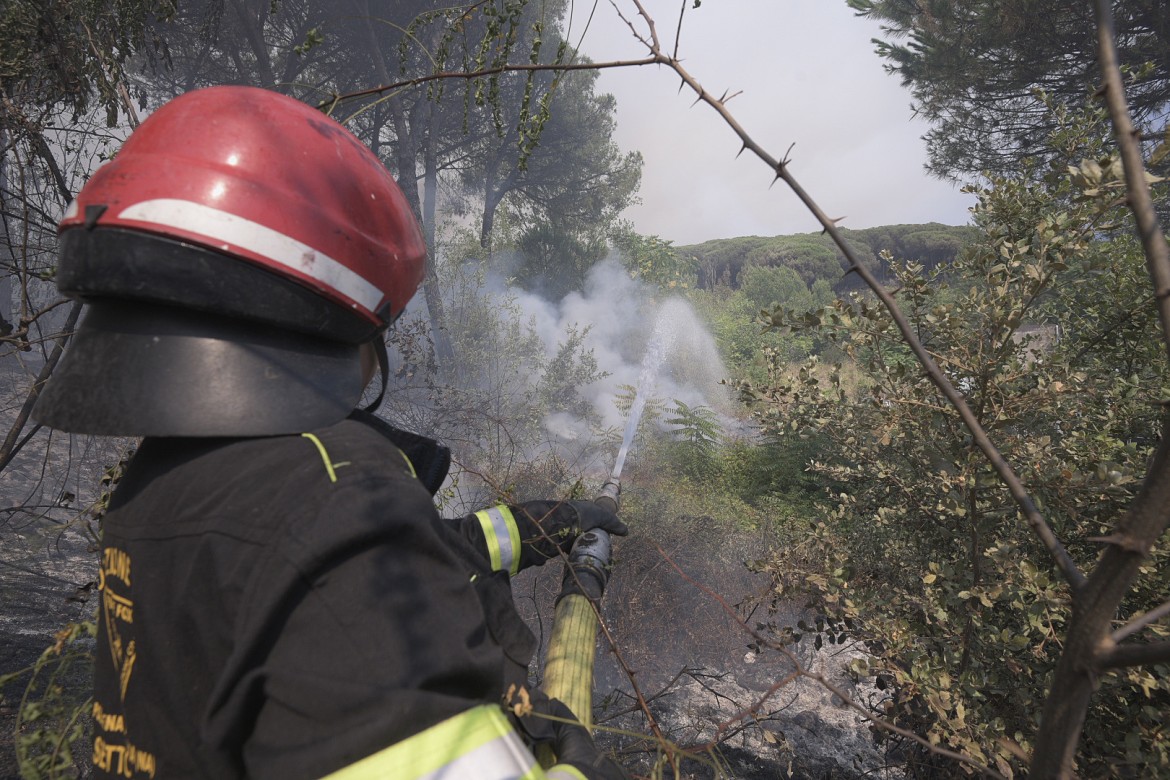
(238, 236)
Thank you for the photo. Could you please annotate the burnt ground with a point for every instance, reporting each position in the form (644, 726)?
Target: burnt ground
(686, 648)
(677, 604)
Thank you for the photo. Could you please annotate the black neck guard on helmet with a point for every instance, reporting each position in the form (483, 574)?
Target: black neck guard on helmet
(138, 369)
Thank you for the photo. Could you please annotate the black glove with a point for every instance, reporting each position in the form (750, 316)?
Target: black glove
(570, 741)
(548, 528)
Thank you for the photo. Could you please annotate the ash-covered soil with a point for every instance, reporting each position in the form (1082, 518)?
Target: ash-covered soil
(679, 598)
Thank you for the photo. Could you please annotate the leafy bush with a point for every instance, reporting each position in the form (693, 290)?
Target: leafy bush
(53, 714)
(1047, 329)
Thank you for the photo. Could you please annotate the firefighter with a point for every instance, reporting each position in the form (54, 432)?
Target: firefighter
(279, 598)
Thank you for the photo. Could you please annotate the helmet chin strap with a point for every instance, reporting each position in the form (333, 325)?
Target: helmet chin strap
(379, 345)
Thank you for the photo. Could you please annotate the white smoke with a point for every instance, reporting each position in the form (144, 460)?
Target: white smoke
(620, 314)
(485, 408)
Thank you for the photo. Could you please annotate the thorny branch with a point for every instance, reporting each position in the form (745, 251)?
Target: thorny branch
(333, 101)
(780, 168)
(1136, 184)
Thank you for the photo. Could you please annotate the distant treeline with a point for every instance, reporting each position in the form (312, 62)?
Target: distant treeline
(814, 257)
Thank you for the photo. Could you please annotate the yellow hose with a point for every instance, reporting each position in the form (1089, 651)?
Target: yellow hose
(568, 672)
(568, 668)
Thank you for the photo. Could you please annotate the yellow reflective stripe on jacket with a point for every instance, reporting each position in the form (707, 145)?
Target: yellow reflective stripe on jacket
(563, 772)
(324, 456)
(331, 467)
(479, 744)
(502, 536)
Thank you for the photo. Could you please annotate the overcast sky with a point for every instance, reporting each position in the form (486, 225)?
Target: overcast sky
(809, 76)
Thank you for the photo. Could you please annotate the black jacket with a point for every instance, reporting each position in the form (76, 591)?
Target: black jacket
(281, 607)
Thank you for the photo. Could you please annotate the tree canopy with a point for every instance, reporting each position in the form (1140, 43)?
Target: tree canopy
(814, 256)
(72, 52)
(981, 71)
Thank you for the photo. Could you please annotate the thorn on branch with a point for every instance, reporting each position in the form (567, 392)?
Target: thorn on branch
(786, 159)
(833, 222)
(742, 149)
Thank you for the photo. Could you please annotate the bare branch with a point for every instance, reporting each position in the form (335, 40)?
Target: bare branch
(332, 101)
(656, 46)
(1076, 677)
(1136, 655)
(1141, 621)
(9, 448)
(682, 12)
(1137, 187)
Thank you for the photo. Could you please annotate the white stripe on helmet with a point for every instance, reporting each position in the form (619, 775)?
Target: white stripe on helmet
(223, 227)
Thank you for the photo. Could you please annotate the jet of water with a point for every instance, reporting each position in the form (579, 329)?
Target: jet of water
(660, 343)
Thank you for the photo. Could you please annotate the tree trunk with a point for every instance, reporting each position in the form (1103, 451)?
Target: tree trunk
(1094, 609)
(494, 189)
(254, 33)
(8, 256)
(406, 157)
(444, 349)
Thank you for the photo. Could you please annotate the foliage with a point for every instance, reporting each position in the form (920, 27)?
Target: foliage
(570, 369)
(696, 439)
(816, 259)
(981, 72)
(574, 180)
(1045, 324)
(493, 412)
(734, 319)
(554, 260)
(53, 714)
(72, 52)
(652, 259)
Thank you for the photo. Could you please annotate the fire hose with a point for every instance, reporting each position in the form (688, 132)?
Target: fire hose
(568, 669)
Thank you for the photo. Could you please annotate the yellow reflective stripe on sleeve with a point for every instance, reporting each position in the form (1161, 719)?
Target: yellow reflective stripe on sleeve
(489, 538)
(479, 743)
(502, 537)
(563, 772)
(324, 455)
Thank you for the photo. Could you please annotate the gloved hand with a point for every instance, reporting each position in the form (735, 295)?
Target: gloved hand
(571, 741)
(548, 528)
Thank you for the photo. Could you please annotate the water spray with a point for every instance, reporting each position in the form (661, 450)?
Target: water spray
(568, 674)
(656, 351)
